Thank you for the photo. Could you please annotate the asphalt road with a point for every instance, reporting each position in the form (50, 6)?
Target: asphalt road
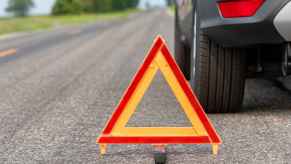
(61, 86)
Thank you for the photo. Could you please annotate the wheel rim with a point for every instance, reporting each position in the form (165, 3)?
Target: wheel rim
(194, 43)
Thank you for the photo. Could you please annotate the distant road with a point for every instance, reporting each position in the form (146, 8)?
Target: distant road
(59, 87)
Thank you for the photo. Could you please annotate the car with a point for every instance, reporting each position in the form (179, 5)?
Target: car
(221, 43)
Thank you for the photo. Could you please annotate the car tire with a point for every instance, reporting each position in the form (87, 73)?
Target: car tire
(218, 74)
(182, 52)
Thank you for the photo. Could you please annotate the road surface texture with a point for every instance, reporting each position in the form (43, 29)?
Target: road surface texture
(61, 86)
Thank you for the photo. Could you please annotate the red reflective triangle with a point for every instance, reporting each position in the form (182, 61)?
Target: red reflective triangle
(211, 138)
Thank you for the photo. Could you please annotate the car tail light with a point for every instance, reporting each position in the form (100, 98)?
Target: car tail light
(239, 8)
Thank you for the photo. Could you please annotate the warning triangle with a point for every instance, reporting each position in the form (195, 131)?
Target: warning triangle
(201, 132)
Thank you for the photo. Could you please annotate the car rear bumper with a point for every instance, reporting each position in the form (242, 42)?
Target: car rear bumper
(268, 26)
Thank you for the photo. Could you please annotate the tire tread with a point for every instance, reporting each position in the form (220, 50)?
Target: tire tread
(219, 81)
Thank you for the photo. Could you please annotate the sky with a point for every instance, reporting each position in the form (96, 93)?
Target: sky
(143, 3)
(44, 6)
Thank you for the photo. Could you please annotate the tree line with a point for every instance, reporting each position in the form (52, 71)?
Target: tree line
(62, 7)
(19, 7)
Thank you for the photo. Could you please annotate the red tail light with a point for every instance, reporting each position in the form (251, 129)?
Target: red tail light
(239, 8)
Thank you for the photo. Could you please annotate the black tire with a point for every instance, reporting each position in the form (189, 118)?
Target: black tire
(218, 76)
(182, 52)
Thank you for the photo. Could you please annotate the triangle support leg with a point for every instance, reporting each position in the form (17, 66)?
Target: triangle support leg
(103, 148)
(215, 149)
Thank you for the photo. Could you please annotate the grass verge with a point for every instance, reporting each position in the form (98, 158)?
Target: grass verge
(11, 25)
(172, 8)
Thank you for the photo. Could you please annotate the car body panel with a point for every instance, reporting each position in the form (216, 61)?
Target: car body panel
(282, 22)
(233, 32)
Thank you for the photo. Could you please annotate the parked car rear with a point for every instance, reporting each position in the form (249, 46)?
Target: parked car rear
(220, 43)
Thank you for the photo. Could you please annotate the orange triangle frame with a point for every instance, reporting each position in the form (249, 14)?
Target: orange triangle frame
(202, 131)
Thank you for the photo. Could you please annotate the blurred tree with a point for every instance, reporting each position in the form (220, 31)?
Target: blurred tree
(170, 2)
(124, 4)
(132, 3)
(108, 5)
(97, 5)
(88, 5)
(103, 5)
(62, 7)
(91, 6)
(148, 5)
(119, 4)
(19, 7)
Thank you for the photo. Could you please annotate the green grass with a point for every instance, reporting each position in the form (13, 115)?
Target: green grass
(172, 8)
(11, 25)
